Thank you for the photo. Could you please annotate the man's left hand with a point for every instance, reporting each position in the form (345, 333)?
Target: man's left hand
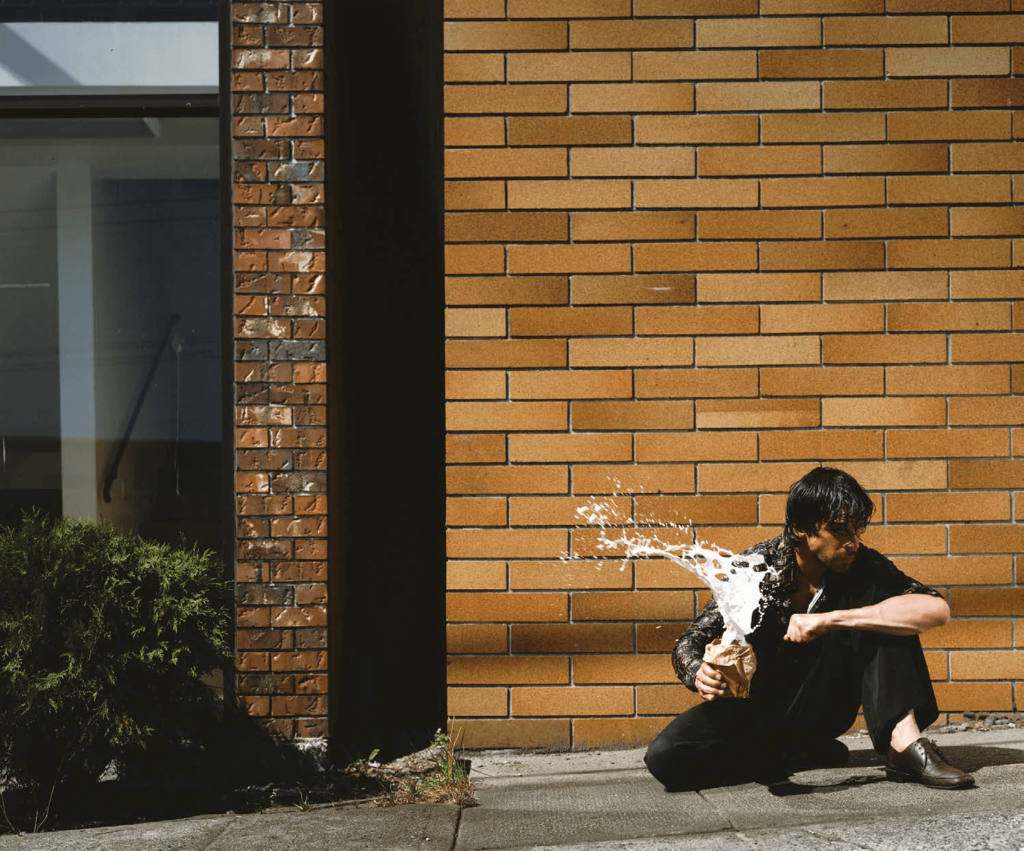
(804, 628)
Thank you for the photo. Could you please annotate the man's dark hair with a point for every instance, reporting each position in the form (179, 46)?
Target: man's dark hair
(826, 495)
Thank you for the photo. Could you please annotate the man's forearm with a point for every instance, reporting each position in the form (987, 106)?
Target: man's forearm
(909, 614)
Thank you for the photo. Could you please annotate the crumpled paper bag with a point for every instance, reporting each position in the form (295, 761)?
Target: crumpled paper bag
(736, 663)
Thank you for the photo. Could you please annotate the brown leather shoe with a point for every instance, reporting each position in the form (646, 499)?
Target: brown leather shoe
(922, 763)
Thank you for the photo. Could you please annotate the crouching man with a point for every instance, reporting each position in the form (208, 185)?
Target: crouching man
(837, 629)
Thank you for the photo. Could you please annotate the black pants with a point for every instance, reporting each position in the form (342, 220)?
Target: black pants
(810, 696)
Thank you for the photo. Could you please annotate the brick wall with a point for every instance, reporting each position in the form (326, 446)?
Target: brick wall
(695, 248)
(277, 87)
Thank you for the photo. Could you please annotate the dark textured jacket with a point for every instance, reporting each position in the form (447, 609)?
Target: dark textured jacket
(869, 573)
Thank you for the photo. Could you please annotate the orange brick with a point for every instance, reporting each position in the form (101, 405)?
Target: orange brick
(696, 383)
(945, 125)
(758, 32)
(634, 289)
(923, 380)
(825, 255)
(572, 384)
(568, 8)
(883, 412)
(816, 318)
(631, 34)
(475, 512)
(477, 638)
(525, 259)
(884, 94)
(474, 448)
(662, 573)
(949, 253)
(570, 447)
(990, 284)
(987, 156)
(474, 9)
(593, 700)
(506, 543)
(968, 697)
(697, 257)
(631, 605)
(570, 130)
(757, 351)
(474, 259)
(696, 129)
(539, 289)
(857, 159)
(677, 351)
(505, 162)
(474, 322)
(509, 354)
(505, 416)
(760, 96)
(506, 227)
(627, 669)
(664, 700)
(969, 94)
(696, 509)
(750, 478)
(762, 160)
(964, 570)
(821, 445)
(506, 35)
(994, 29)
(474, 131)
(758, 413)
(570, 321)
(518, 733)
(624, 416)
(572, 638)
(822, 191)
(632, 162)
(695, 65)
(476, 575)
(884, 30)
(474, 68)
(507, 480)
(506, 607)
(947, 507)
(884, 286)
(815, 380)
(883, 348)
(569, 194)
(833, 127)
(616, 732)
(899, 540)
(956, 189)
(955, 6)
(693, 8)
(466, 702)
(632, 226)
(980, 316)
(986, 474)
(966, 410)
(820, 64)
(701, 319)
(968, 348)
(947, 61)
(485, 99)
(696, 194)
(572, 575)
(510, 670)
(898, 475)
(986, 221)
(549, 67)
(940, 443)
(733, 539)
(921, 221)
(986, 602)
(474, 194)
(633, 478)
(759, 287)
(987, 665)
(697, 446)
(631, 97)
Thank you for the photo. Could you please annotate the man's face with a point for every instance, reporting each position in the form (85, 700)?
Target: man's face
(834, 544)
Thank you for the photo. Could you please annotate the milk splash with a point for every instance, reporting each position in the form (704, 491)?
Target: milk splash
(734, 580)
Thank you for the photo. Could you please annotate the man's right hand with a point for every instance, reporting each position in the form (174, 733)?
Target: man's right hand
(710, 682)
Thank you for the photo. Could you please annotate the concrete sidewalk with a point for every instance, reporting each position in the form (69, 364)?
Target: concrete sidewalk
(607, 801)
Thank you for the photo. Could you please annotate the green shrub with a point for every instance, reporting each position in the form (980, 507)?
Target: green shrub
(103, 640)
